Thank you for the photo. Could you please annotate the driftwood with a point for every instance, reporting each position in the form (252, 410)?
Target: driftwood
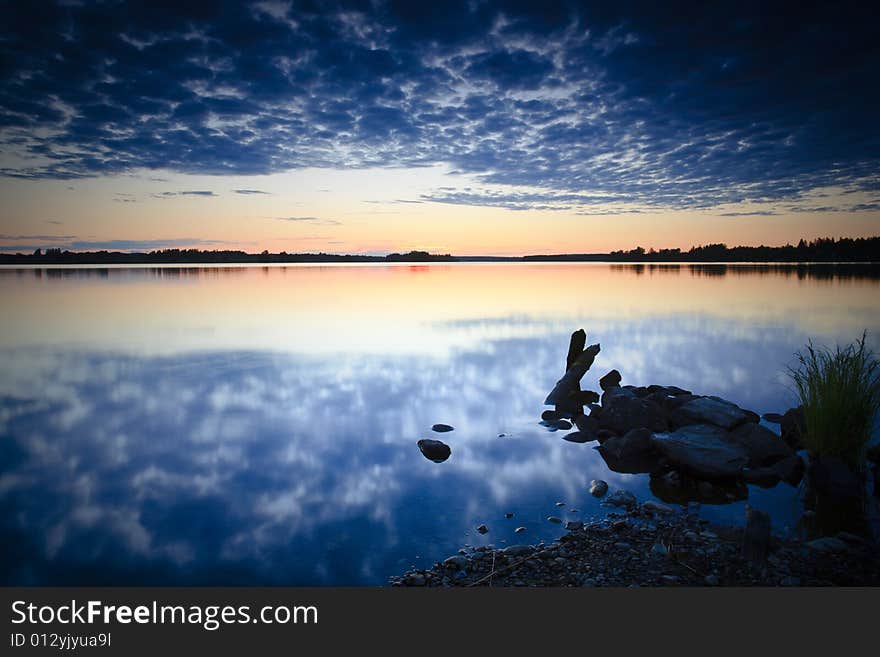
(578, 362)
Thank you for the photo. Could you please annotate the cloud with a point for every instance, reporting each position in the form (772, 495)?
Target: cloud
(311, 220)
(72, 243)
(185, 193)
(249, 191)
(756, 213)
(627, 100)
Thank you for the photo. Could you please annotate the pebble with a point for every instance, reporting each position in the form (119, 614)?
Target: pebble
(621, 498)
(659, 549)
(712, 580)
(558, 521)
(623, 545)
(441, 428)
(482, 529)
(456, 561)
(827, 544)
(508, 515)
(519, 530)
(598, 488)
(560, 504)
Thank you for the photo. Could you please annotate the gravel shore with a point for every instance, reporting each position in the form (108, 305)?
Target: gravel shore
(653, 544)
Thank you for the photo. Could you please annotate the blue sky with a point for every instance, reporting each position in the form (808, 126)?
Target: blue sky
(575, 115)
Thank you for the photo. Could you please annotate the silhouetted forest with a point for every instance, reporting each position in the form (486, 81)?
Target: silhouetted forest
(825, 249)
(178, 256)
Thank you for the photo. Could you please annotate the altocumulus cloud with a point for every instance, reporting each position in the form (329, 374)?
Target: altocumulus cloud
(623, 102)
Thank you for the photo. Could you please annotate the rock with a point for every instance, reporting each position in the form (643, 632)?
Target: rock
(441, 428)
(587, 424)
(598, 488)
(623, 545)
(793, 427)
(560, 504)
(571, 379)
(762, 446)
(702, 450)
(621, 498)
(579, 437)
(850, 538)
(575, 347)
(756, 536)
(671, 579)
(711, 580)
(564, 425)
(827, 544)
(763, 477)
(775, 418)
(604, 434)
(790, 580)
(610, 380)
(415, 579)
(519, 530)
(622, 411)
(551, 416)
(638, 391)
(657, 507)
(434, 450)
(659, 549)
(632, 444)
(554, 519)
(790, 470)
(711, 410)
(585, 397)
(457, 561)
(508, 515)
(482, 529)
(873, 453)
(517, 551)
(574, 525)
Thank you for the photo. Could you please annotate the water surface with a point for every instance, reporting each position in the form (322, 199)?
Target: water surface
(258, 425)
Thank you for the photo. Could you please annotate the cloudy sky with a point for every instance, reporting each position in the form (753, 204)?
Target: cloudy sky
(473, 127)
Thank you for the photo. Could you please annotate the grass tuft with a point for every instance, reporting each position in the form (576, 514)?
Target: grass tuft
(840, 393)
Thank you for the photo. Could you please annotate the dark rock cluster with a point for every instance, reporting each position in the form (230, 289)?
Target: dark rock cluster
(697, 447)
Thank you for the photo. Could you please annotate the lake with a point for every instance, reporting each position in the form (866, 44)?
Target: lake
(258, 425)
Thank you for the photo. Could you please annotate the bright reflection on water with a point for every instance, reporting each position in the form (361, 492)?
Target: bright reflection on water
(246, 425)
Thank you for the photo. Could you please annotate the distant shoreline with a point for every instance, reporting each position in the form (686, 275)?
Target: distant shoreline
(820, 251)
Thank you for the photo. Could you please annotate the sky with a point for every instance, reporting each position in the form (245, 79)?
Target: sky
(493, 128)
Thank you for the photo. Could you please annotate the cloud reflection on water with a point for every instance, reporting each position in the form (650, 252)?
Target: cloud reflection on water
(254, 467)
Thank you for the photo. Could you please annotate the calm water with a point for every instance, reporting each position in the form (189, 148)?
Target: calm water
(248, 425)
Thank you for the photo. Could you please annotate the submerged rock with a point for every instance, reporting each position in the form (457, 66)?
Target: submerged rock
(434, 450)
(633, 443)
(598, 488)
(712, 410)
(702, 450)
(621, 498)
(579, 437)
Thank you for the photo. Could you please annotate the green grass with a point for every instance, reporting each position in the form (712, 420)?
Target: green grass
(840, 392)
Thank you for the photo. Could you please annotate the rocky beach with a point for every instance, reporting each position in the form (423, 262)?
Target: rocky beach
(698, 450)
(655, 544)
